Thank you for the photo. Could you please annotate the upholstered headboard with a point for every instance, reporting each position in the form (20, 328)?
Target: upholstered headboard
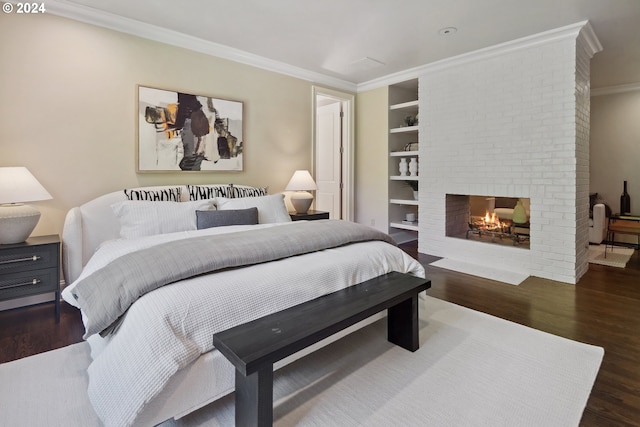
(87, 226)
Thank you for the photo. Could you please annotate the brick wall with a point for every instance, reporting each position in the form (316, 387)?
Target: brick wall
(511, 124)
(457, 215)
(583, 124)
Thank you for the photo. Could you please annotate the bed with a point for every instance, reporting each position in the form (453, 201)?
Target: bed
(151, 338)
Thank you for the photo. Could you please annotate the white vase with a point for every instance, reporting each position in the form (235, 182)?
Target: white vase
(519, 213)
(413, 167)
(415, 194)
(404, 167)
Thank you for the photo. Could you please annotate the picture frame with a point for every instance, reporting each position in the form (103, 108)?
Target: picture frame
(183, 132)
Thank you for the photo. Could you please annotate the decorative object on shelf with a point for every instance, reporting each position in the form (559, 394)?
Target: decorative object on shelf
(519, 213)
(17, 220)
(413, 166)
(414, 187)
(412, 146)
(411, 217)
(410, 120)
(301, 182)
(404, 167)
(625, 201)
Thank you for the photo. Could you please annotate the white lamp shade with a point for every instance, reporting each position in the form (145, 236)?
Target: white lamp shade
(17, 221)
(17, 185)
(301, 181)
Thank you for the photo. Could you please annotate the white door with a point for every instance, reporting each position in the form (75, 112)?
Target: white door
(328, 159)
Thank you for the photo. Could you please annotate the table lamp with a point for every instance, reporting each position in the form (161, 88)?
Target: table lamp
(18, 220)
(301, 182)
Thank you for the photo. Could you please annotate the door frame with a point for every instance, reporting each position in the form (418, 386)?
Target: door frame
(348, 144)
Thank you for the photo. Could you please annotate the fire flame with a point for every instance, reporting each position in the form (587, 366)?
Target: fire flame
(493, 219)
(492, 222)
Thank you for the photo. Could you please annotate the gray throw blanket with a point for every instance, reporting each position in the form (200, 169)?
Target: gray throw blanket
(106, 294)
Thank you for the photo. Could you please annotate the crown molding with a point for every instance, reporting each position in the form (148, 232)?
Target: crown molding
(152, 32)
(569, 31)
(590, 40)
(610, 90)
(391, 79)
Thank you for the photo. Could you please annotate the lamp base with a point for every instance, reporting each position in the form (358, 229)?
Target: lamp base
(17, 221)
(301, 201)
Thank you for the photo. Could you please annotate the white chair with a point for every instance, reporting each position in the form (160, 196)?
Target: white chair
(598, 224)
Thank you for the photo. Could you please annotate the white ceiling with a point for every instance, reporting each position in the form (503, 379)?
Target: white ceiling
(357, 41)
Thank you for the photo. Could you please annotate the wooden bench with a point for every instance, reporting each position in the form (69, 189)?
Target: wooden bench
(254, 347)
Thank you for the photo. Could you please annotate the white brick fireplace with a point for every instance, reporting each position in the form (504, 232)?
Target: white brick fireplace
(511, 121)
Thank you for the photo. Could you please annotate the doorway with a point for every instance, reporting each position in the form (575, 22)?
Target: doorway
(333, 142)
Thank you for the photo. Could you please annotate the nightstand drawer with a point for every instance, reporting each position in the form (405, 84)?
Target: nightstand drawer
(28, 258)
(26, 283)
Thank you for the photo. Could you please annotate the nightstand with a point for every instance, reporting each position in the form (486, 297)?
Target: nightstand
(309, 216)
(31, 268)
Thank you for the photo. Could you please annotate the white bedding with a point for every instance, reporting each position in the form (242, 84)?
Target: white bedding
(169, 328)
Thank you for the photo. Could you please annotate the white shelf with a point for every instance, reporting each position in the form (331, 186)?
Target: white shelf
(410, 104)
(404, 226)
(403, 178)
(406, 129)
(403, 105)
(403, 153)
(404, 202)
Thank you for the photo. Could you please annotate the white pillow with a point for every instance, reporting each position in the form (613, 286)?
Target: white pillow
(144, 218)
(271, 208)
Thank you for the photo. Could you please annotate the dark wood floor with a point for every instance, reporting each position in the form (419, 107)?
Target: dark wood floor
(602, 309)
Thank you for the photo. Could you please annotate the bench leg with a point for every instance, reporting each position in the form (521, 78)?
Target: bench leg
(254, 398)
(402, 324)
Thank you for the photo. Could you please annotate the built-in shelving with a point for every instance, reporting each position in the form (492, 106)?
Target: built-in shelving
(403, 130)
(403, 178)
(404, 105)
(403, 153)
(403, 226)
(403, 202)
(407, 129)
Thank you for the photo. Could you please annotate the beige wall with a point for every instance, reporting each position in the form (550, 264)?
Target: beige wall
(68, 110)
(372, 130)
(615, 148)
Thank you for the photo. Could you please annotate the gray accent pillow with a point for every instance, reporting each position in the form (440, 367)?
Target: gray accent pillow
(208, 219)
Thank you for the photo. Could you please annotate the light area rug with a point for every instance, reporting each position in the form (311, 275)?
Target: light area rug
(499, 275)
(616, 256)
(472, 369)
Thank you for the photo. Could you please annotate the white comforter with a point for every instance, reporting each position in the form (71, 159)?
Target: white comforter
(169, 328)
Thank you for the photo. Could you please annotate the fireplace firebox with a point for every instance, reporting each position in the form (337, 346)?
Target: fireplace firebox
(489, 219)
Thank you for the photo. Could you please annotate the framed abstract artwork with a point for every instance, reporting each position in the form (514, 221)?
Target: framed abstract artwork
(179, 131)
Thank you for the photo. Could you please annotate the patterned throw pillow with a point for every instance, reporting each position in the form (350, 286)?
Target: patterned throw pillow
(203, 192)
(246, 191)
(164, 195)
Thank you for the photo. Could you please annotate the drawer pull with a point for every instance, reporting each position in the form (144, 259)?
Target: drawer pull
(16, 285)
(13, 261)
